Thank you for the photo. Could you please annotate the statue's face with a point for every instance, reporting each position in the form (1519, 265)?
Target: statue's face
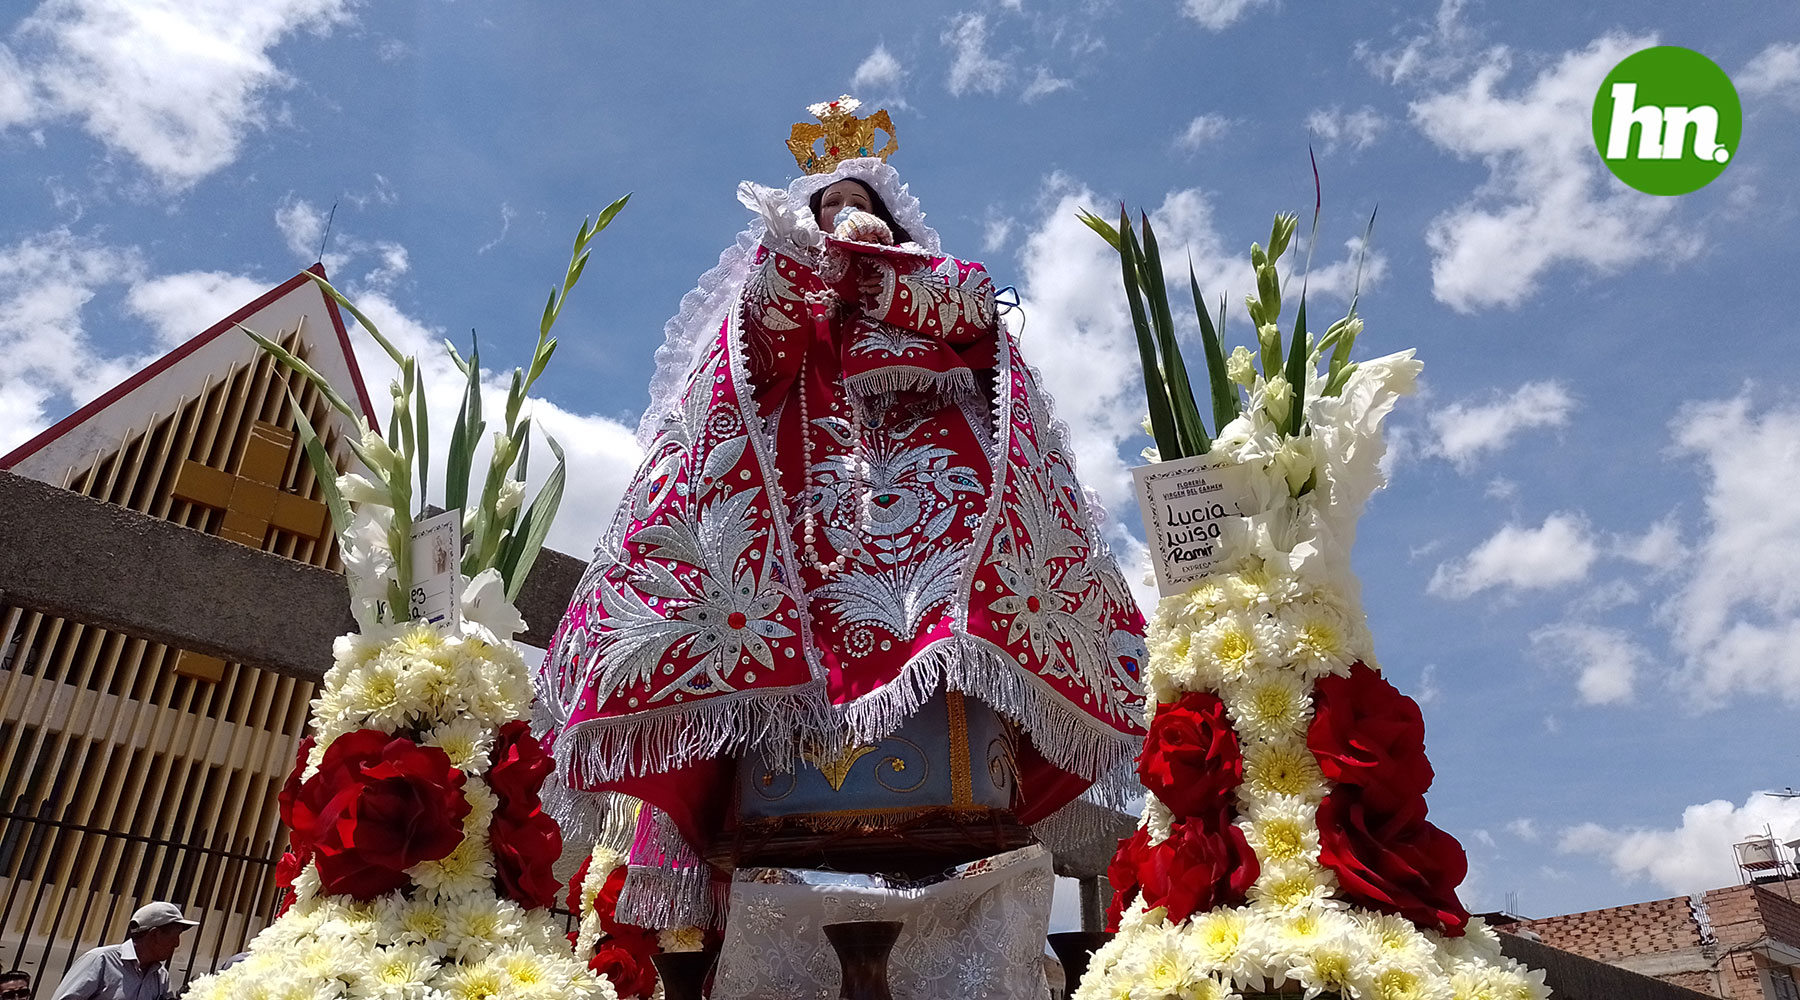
(844, 194)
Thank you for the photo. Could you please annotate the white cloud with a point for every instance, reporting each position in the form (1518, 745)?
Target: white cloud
(1659, 547)
(1217, 15)
(1606, 661)
(46, 282)
(47, 285)
(1548, 204)
(1354, 130)
(175, 86)
(1557, 553)
(1202, 131)
(1736, 616)
(1043, 83)
(178, 306)
(304, 226)
(1429, 692)
(1465, 431)
(1773, 72)
(973, 70)
(995, 232)
(1695, 856)
(880, 71)
(602, 453)
(1525, 828)
(506, 219)
(1079, 334)
(1439, 49)
(1599, 598)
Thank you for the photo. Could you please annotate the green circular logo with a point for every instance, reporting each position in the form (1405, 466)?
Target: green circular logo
(1667, 120)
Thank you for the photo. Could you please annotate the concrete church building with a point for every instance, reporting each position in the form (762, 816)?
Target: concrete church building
(130, 770)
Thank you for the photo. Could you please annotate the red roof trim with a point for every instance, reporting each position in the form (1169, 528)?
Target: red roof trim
(230, 322)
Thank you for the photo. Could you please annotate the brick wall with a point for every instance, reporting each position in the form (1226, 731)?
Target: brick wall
(1661, 925)
(1781, 914)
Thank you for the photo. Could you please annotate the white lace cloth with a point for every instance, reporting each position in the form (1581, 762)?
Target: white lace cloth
(977, 932)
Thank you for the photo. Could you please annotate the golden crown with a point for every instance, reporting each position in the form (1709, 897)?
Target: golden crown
(846, 136)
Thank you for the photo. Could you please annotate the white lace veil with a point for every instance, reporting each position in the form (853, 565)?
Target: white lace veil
(703, 309)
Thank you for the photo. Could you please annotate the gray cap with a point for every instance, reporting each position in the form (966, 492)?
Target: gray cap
(150, 916)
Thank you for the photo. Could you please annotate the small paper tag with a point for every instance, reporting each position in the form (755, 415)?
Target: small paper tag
(1185, 504)
(436, 570)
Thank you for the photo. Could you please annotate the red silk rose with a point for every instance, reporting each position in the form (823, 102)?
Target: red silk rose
(1202, 864)
(289, 798)
(625, 960)
(581, 874)
(517, 768)
(607, 903)
(524, 851)
(1366, 733)
(378, 805)
(1191, 758)
(1199, 866)
(1121, 874)
(1395, 862)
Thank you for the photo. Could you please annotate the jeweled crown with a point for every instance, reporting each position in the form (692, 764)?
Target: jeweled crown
(845, 136)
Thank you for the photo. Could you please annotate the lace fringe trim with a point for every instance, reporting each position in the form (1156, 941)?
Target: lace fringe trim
(904, 378)
(660, 898)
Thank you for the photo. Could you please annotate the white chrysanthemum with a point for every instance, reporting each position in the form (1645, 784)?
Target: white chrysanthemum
(1226, 649)
(371, 695)
(1408, 983)
(483, 801)
(467, 869)
(1282, 828)
(1323, 638)
(397, 972)
(1330, 965)
(480, 980)
(1280, 767)
(1161, 967)
(1298, 931)
(352, 650)
(1157, 819)
(422, 922)
(1269, 704)
(1295, 883)
(328, 957)
(423, 689)
(466, 742)
(1216, 939)
(1395, 941)
(476, 923)
(1259, 587)
(306, 889)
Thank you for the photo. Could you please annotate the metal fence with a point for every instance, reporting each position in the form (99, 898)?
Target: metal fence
(69, 887)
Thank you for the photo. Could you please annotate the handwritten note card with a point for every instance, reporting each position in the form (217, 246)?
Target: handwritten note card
(436, 570)
(1185, 504)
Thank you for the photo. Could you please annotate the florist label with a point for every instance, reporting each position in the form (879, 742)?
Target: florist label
(436, 568)
(1185, 504)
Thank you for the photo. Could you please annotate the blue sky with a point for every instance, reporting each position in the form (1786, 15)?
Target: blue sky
(1587, 565)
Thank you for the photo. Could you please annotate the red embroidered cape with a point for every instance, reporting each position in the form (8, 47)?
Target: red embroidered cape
(973, 557)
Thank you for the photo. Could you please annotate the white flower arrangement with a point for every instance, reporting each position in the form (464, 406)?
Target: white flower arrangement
(1280, 614)
(447, 933)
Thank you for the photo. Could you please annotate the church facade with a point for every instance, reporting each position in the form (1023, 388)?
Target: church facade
(130, 770)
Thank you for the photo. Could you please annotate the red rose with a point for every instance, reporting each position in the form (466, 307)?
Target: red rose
(517, 769)
(1202, 864)
(1366, 733)
(377, 806)
(1121, 874)
(1199, 866)
(581, 874)
(1393, 862)
(625, 960)
(607, 904)
(524, 851)
(1191, 758)
(289, 797)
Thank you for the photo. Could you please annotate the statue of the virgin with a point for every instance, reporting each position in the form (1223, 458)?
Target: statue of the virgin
(857, 526)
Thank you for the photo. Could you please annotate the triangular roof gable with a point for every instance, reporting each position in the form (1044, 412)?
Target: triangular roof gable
(160, 386)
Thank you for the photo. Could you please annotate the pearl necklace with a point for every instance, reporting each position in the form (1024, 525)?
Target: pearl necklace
(860, 468)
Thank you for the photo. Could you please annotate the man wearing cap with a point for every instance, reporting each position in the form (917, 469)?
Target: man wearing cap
(138, 969)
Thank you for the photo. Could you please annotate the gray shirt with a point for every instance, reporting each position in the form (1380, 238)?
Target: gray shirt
(111, 972)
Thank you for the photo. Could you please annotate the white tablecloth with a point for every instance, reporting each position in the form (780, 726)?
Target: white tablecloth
(976, 932)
